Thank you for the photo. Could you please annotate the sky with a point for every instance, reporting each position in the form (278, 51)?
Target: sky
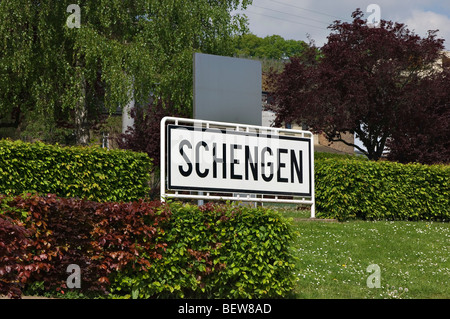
(309, 19)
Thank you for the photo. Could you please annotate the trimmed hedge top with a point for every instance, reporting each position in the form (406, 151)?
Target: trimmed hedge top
(354, 188)
(346, 186)
(144, 249)
(92, 173)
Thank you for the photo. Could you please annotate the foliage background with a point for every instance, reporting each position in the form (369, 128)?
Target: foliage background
(122, 50)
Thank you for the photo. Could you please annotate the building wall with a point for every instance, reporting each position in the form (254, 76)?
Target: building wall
(339, 146)
(320, 139)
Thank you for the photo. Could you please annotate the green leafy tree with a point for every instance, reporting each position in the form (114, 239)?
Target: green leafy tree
(121, 50)
(273, 51)
(270, 47)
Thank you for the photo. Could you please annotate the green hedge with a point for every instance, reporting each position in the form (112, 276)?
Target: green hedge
(354, 188)
(145, 249)
(217, 251)
(85, 172)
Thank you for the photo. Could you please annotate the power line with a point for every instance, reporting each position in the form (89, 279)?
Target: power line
(291, 14)
(310, 10)
(278, 18)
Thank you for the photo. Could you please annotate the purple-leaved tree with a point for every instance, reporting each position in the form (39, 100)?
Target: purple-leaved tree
(379, 83)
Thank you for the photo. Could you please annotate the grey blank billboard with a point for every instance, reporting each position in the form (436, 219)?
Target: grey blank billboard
(227, 89)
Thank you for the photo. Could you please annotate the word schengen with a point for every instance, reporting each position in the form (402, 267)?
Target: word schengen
(219, 160)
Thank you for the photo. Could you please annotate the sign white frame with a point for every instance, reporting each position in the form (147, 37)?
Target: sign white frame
(169, 124)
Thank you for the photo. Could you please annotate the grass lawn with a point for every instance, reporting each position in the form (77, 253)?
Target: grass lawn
(413, 258)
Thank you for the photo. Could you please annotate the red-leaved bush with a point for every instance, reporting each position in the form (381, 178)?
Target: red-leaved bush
(13, 240)
(142, 249)
(55, 232)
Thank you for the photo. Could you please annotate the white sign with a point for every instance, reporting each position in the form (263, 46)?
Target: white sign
(225, 160)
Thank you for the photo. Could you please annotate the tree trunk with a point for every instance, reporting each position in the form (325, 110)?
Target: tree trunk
(81, 117)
